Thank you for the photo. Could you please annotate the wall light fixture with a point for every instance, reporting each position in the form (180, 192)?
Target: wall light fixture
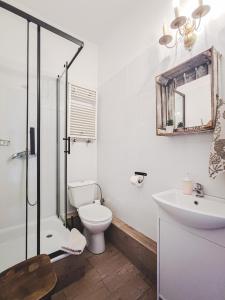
(186, 27)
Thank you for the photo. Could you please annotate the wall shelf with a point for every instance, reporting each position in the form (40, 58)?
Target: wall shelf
(185, 132)
(4, 142)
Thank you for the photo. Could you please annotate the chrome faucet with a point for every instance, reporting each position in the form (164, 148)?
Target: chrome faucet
(198, 188)
(21, 154)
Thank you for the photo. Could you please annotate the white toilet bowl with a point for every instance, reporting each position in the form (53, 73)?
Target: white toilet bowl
(96, 219)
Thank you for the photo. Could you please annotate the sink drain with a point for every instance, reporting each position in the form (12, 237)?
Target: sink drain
(48, 236)
(196, 202)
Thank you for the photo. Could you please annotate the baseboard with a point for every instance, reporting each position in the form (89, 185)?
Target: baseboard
(141, 250)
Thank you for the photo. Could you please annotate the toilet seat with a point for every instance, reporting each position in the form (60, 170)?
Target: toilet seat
(95, 213)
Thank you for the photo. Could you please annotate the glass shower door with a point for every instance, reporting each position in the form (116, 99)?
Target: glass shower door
(63, 145)
(12, 140)
(32, 128)
(24, 136)
(18, 143)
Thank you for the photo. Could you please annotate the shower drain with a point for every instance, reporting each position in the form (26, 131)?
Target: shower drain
(48, 236)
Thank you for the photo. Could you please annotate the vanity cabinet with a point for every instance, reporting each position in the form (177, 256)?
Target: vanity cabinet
(191, 262)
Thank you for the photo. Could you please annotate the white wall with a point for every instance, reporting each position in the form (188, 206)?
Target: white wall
(129, 61)
(83, 159)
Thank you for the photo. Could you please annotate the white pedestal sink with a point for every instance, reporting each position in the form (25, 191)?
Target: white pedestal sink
(200, 213)
(191, 247)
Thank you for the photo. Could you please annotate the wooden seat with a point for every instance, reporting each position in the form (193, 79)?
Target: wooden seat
(32, 279)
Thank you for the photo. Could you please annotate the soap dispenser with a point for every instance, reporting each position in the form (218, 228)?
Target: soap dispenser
(187, 185)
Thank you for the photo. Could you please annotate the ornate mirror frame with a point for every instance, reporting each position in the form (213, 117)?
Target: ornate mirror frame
(165, 111)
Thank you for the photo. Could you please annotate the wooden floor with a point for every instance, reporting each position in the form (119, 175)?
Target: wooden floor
(109, 276)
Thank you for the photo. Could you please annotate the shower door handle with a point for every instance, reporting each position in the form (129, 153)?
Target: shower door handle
(32, 140)
(67, 145)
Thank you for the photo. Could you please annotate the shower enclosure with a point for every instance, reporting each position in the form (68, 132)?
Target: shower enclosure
(34, 142)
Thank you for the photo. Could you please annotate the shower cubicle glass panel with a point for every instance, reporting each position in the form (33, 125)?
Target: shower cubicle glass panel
(33, 120)
(32, 127)
(52, 144)
(62, 145)
(17, 170)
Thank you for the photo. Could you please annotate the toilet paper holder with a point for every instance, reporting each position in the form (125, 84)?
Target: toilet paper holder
(141, 173)
(138, 178)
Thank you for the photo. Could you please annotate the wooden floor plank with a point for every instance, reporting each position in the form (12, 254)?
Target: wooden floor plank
(131, 290)
(118, 279)
(139, 249)
(109, 276)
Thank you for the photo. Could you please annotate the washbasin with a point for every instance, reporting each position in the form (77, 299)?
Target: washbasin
(201, 213)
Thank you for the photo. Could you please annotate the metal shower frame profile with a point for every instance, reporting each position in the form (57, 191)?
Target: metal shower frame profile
(40, 24)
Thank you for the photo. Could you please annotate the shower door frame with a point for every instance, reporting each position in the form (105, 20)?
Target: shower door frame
(66, 140)
(40, 24)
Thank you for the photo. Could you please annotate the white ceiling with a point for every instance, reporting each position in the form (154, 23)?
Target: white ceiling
(90, 19)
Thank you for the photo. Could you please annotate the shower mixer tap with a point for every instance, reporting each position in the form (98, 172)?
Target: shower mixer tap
(31, 152)
(22, 154)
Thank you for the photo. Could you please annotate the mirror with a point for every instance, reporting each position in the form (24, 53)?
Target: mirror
(186, 96)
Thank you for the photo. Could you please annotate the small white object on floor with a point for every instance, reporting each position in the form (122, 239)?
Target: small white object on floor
(75, 244)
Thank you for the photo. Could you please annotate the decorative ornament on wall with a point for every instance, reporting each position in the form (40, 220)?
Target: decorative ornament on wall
(186, 27)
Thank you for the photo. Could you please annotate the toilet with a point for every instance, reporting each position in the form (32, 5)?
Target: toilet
(95, 217)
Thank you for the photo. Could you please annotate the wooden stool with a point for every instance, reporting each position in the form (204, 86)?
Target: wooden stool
(32, 279)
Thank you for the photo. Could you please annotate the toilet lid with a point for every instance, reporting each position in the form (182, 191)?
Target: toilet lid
(95, 213)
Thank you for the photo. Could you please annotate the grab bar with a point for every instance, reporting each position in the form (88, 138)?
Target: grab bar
(21, 154)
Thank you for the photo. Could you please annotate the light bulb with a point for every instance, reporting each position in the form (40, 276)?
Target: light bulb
(190, 6)
(165, 29)
(176, 3)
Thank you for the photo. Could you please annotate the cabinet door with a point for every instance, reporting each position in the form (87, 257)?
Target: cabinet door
(191, 268)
